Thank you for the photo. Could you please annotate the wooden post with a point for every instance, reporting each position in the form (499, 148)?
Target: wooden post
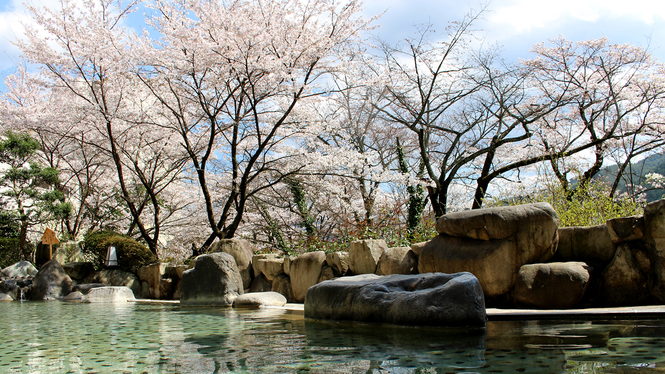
(50, 238)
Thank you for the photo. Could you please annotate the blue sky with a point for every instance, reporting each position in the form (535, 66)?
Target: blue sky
(513, 24)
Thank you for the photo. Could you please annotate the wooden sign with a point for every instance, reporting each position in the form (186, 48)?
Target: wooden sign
(49, 237)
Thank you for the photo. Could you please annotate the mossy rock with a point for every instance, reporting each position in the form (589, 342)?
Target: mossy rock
(132, 255)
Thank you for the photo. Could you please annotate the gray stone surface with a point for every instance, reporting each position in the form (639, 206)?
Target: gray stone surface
(305, 272)
(84, 288)
(109, 295)
(556, 285)
(50, 283)
(259, 299)
(364, 255)
(261, 256)
(6, 297)
(214, 280)
(20, 269)
(79, 270)
(399, 260)
(74, 296)
(586, 243)
(433, 299)
(242, 252)
(116, 278)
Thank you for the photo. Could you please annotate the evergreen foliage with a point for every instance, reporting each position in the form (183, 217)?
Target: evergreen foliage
(132, 255)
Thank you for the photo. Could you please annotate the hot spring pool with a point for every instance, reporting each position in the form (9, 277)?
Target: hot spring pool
(38, 337)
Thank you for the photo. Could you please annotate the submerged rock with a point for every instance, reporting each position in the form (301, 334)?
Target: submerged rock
(214, 280)
(433, 299)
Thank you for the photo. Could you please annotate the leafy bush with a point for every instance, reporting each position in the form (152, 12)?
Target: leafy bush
(589, 205)
(131, 254)
(9, 252)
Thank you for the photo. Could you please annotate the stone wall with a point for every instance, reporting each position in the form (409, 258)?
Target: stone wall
(519, 255)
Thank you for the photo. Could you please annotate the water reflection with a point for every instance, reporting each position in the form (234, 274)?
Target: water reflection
(78, 338)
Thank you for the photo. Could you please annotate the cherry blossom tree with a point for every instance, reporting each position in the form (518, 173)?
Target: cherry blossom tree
(229, 77)
(85, 52)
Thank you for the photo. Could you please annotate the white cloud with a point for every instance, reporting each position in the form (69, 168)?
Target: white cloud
(523, 16)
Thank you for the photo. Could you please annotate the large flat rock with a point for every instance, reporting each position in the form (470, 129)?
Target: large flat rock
(433, 299)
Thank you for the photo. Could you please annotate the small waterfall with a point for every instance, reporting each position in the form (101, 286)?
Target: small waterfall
(21, 295)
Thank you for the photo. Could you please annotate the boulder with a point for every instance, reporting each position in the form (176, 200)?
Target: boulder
(9, 287)
(261, 256)
(242, 252)
(586, 243)
(116, 278)
(74, 296)
(109, 295)
(282, 285)
(654, 239)
(625, 229)
(20, 269)
(339, 262)
(555, 285)
(432, 299)
(270, 267)
(260, 284)
(5, 297)
(286, 266)
(400, 260)
(214, 280)
(493, 262)
(79, 270)
(492, 244)
(84, 288)
(152, 274)
(305, 272)
(625, 281)
(259, 299)
(417, 247)
(50, 283)
(364, 255)
(326, 274)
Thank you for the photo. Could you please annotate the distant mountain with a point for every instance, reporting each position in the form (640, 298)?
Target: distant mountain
(638, 172)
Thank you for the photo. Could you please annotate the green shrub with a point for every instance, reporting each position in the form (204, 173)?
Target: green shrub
(588, 206)
(9, 252)
(132, 255)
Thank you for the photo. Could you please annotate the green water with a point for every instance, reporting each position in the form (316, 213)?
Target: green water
(58, 337)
